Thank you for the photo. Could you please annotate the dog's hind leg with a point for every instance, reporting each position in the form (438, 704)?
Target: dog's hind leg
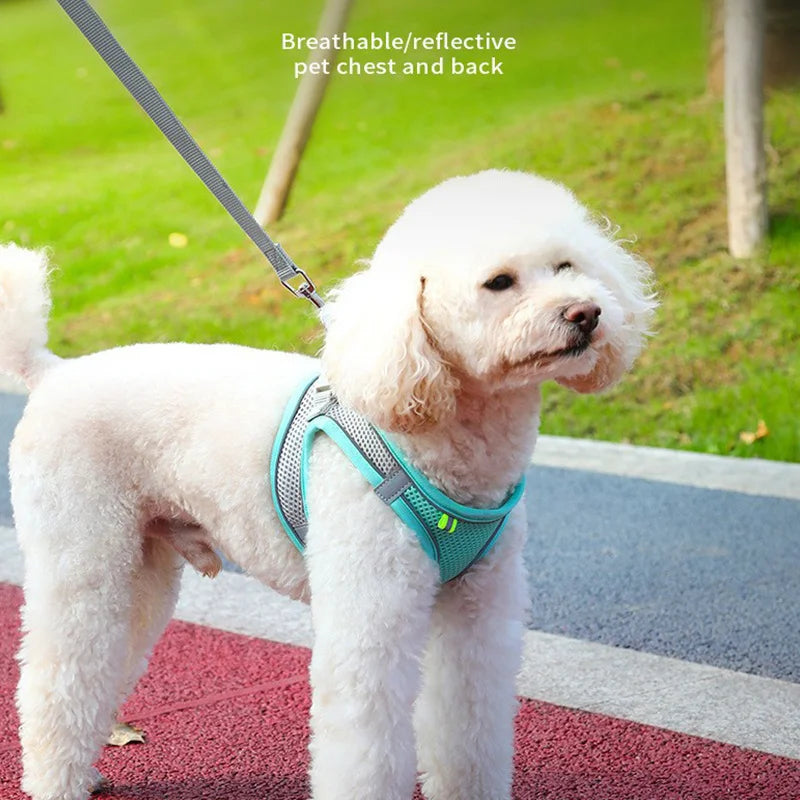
(166, 547)
(464, 715)
(81, 549)
(155, 586)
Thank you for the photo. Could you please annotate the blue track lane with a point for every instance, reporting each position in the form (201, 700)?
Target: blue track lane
(700, 575)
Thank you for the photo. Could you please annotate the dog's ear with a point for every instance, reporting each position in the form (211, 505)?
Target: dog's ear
(629, 280)
(379, 355)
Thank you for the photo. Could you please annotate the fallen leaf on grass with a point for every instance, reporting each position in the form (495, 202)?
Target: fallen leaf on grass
(748, 437)
(178, 239)
(122, 734)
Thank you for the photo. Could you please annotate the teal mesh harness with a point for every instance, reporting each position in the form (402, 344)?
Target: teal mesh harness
(452, 534)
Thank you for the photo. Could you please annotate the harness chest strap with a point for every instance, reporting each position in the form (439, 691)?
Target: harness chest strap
(453, 535)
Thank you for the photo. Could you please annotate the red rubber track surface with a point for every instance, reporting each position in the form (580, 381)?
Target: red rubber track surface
(226, 718)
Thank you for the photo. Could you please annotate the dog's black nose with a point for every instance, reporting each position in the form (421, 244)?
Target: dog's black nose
(583, 315)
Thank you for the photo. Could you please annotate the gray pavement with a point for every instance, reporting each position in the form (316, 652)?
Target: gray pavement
(704, 575)
(11, 406)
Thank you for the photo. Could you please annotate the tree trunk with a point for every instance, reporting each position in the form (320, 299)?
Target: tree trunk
(302, 114)
(744, 143)
(781, 45)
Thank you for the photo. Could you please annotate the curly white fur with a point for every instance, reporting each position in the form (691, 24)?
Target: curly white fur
(24, 306)
(131, 460)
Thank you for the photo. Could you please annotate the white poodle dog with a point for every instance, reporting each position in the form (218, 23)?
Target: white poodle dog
(129, 462)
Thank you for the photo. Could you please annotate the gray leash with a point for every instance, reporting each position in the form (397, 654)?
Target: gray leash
(134, 80)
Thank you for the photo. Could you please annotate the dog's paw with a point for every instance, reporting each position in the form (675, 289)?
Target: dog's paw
(98, 783)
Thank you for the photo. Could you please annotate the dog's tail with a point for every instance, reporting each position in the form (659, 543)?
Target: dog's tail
(24, 307)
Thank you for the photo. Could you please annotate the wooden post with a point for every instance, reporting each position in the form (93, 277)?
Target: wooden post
(744, 138)
(302, 114)
(781, 44)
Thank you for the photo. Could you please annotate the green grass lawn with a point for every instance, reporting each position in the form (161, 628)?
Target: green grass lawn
(605, 95)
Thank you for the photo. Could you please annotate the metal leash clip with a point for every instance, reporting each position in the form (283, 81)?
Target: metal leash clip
(306, 289)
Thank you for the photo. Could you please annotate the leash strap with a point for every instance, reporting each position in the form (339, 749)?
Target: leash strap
(134, 80)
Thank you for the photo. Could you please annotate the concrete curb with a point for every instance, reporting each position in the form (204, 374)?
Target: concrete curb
(697, 699)
(754, 476)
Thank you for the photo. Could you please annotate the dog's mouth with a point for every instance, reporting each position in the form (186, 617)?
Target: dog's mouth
(544, 358)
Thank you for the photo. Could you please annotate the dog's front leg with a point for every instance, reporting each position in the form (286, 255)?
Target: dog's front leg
(372, 589)
(465, 713)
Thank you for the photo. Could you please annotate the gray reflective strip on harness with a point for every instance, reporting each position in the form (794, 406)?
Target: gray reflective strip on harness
(135, 81)
(393, 485)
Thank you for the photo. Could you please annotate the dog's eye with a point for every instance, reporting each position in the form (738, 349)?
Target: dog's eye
(500, 282)
(563, 265)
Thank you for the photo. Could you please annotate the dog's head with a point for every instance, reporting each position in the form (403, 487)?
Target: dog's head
(497, 280)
